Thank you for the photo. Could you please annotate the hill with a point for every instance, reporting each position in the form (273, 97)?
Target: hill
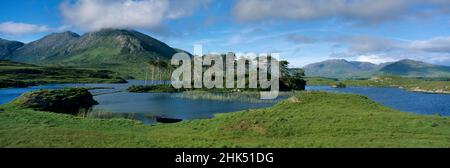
(413, 68)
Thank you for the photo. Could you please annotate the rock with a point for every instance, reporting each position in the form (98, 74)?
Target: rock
(1, 110)
(67, 101)
(167, 120)
(294, 99)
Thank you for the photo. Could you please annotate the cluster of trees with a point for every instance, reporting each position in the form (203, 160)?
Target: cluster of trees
(291, 78)
(160, 71)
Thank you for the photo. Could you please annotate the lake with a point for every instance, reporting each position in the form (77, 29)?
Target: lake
(144, 106)
(147, 106)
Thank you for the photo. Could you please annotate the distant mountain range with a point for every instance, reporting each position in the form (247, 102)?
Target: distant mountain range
(125, 51)
(340, 68)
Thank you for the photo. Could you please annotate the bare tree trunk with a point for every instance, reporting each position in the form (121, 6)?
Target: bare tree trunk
(153, 74)
(146, 76)
(159, 76)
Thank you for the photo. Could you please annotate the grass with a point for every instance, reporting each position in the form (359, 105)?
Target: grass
(19, 73)
(309, 119)
(153, 89)
(221, 94)
(321, 81)
(246, 96)
(168, 88)
(430, 85)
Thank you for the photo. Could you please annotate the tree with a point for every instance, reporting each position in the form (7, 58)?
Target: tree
(153, 64)
(284, 68)
(291, 78)
(297, 72)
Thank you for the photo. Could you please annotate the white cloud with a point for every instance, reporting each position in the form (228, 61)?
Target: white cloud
(376, 59)
(371, 44)
(14, 28)
(367, 11)
(93, 15)
(438, 44)
(378, 50)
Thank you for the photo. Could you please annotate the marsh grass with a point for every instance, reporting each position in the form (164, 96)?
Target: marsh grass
(248, 97)
(104, 114)
(99, 114)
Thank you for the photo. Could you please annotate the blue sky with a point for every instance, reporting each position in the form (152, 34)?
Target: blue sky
(303, 31)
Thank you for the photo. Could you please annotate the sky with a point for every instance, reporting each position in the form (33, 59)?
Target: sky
(302, 31)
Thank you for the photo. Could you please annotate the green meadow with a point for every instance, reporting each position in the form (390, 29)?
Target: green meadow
(307, 119)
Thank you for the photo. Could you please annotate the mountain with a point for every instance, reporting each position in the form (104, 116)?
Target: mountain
(44, 49)
(107, 46)
(340, 68)
(113, 46)
(7, 47)
(413, 68)
(124, 51)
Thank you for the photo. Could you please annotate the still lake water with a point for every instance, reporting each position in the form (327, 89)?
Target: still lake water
(144, 105)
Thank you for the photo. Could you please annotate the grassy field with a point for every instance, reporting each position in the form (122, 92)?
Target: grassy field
(309, 119)
(32, 74)
(431, 85)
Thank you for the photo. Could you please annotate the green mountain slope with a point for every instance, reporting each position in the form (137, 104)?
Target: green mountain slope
(110, 46)
(123, 51)
(101, 47)
(45, 49)
(413, 68)
(7, 47)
